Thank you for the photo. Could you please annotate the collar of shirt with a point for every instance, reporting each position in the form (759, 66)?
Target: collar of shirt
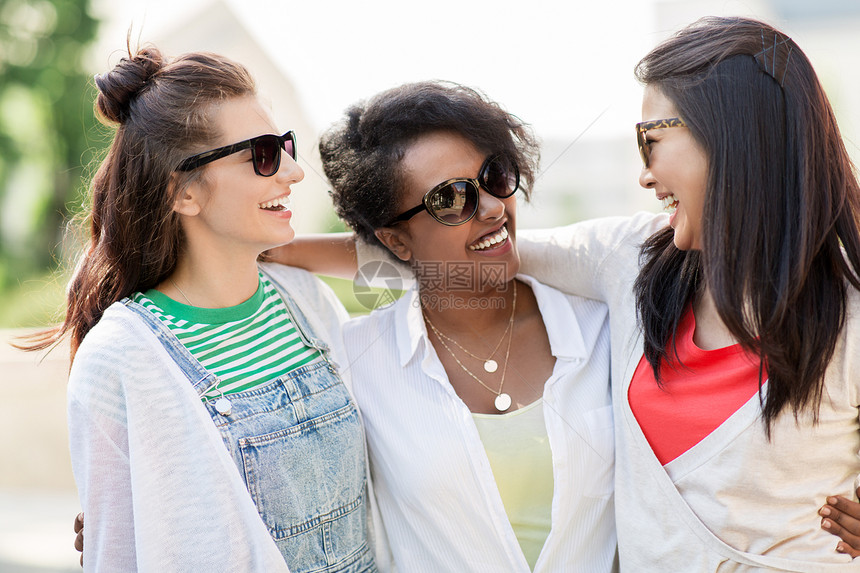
(566, 339)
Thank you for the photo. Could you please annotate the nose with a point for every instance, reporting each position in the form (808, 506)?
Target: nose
(646, 179)
(289, 171)
(490, 207)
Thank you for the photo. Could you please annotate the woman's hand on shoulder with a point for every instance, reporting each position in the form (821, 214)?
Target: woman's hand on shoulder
(841, 517)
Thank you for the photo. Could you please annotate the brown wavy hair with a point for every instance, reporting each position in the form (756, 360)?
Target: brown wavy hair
(780, 236)
(162, 111)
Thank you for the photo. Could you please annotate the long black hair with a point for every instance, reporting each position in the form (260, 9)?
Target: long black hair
(780, 239)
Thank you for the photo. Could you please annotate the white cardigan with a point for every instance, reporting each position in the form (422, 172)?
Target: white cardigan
(735, 501)
(160, 490)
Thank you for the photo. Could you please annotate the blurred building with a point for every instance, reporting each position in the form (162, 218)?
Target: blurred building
(596, 177)
(587, 176)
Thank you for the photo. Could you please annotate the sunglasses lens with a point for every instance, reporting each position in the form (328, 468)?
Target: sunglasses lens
(290, 145)
(454, 203)
(500, 177)
(267, 155)
(643, 145)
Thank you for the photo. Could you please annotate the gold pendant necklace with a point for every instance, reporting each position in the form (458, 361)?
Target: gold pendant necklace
(223, 405)
(176, 286)
(503, 400)
(489, 364)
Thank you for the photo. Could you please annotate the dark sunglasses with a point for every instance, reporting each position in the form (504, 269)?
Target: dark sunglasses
(265, 153)
(641, 128)
(455, 201)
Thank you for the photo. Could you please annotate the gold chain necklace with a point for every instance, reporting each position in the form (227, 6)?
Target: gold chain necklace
(176, 286)
(490, 365)
(503, 400)
(223, 405)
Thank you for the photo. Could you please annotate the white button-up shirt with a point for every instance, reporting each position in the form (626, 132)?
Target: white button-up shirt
(434, 485)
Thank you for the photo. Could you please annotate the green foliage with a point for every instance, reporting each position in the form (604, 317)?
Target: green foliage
(36, 301)
(345, 291)
(46, 122)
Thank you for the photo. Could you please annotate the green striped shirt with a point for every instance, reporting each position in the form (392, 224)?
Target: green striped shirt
(244, 346)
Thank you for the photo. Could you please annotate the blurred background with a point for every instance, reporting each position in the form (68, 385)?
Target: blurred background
(564, 67)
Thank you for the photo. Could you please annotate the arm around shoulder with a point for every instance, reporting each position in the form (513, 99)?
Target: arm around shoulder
(581, 258)
(331, 254)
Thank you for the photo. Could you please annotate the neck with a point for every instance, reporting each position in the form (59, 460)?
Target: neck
(711, 333)
(468, 311)
(212, 280)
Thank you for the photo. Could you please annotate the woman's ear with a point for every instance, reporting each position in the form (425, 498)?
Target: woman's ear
(396, 241)
(187, 198)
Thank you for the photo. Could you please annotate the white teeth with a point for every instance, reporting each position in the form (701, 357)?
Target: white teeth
(282, 202)
(669, 202)
(490, 241)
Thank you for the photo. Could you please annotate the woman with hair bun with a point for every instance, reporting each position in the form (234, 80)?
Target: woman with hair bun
(484, 393)
(183, 343)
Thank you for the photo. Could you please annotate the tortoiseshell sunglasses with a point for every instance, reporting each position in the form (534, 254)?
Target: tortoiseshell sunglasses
(642, 127)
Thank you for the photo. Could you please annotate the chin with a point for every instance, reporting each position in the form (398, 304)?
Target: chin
(681, 238)
(686, 244)
(287, 236)
(282, 240)
(512, 267)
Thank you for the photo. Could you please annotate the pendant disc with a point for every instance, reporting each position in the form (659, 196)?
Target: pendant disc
(223, 406)
(503, 402)
(491, 366)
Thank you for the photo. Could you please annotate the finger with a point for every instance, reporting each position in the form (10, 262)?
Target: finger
(843, 511)
(79, 538)
(840, 547)
(850, 544)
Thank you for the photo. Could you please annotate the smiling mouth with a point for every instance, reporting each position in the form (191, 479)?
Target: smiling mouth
(279, 204)
(490, 240)
(669, 203)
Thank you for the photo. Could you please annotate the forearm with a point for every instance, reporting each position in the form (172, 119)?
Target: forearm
(101, 467)
(331, 254)
(589, 258)
(567, 258)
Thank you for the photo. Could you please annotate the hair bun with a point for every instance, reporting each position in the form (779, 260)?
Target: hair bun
(122, 84)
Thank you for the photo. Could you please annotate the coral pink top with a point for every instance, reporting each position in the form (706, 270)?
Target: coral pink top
(700, 390)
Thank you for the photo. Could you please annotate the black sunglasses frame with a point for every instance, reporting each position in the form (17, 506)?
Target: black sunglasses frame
(201, 159)
(474, 184)
(642, 127)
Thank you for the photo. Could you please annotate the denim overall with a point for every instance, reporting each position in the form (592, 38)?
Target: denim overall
(299, 445)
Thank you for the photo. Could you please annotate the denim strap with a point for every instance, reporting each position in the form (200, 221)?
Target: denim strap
(301, 322)
(200, 378)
